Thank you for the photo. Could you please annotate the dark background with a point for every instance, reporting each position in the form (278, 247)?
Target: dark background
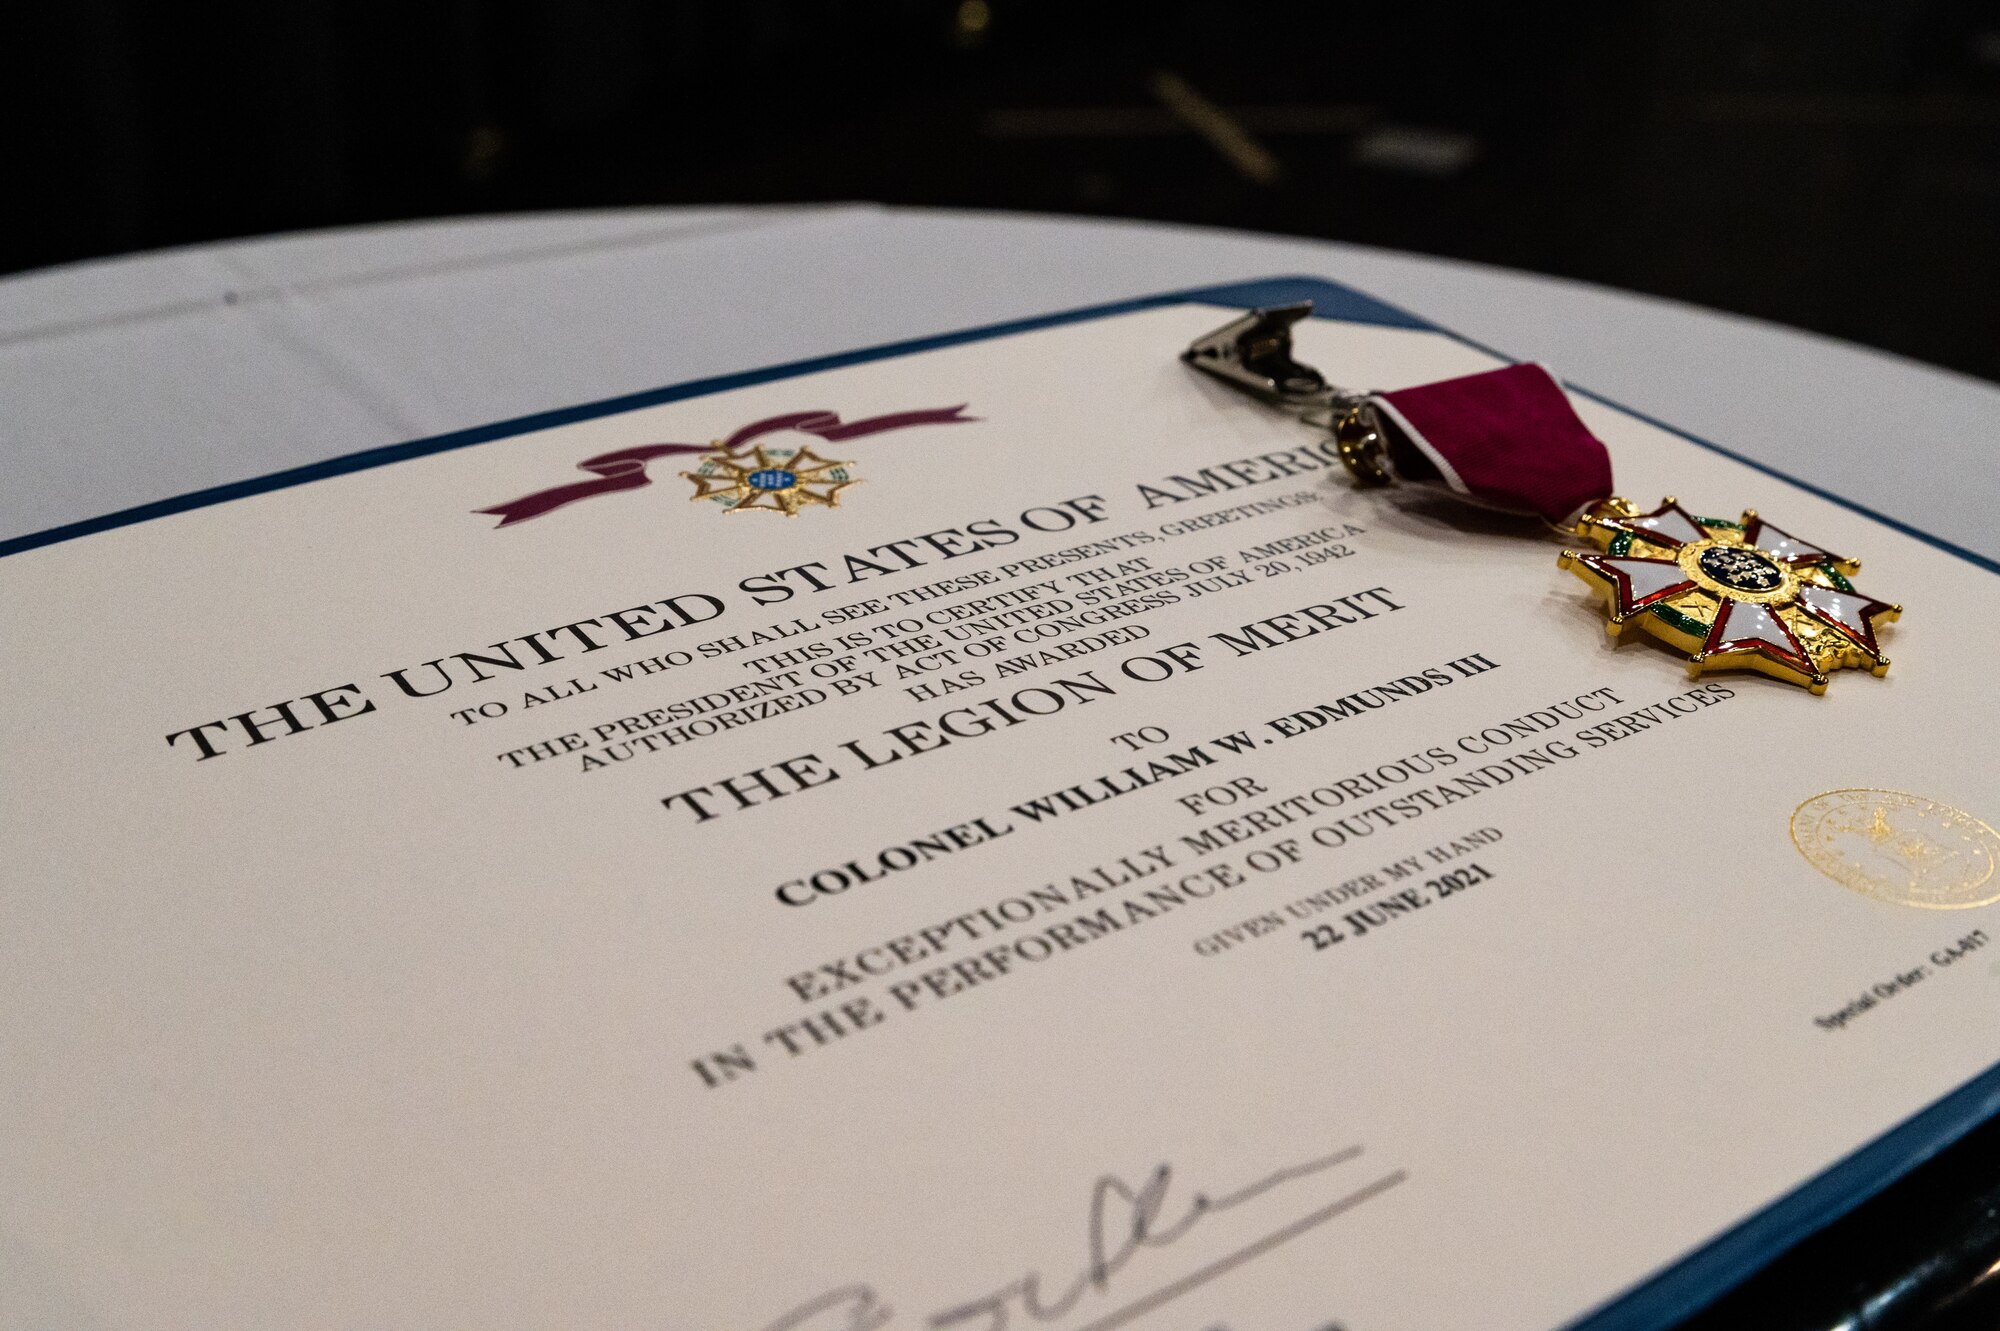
(1833, 164)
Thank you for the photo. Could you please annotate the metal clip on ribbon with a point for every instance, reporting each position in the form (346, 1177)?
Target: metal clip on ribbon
(1506, 439)
(1254, 352)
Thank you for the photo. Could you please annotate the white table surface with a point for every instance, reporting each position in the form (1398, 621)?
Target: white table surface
(134, 379)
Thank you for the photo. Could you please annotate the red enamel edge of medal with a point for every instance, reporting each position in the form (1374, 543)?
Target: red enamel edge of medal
(1659, 537)
(1808, 552)
(1719, 643)
(1606, 567)
(1863, 637)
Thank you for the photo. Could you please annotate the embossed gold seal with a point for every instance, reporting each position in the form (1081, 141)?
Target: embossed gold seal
(1901, 848)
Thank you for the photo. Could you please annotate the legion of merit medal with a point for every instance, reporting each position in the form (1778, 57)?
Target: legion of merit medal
(1730, 593)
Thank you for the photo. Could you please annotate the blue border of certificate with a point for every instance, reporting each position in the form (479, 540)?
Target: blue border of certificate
(1331, 300)
(1674, 1293)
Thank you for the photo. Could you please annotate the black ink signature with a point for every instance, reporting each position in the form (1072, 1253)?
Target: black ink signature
(849, 1308)
(1123, 1221)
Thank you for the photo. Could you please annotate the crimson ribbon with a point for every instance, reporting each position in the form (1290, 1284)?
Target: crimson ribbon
(1507, 437)
(626, 468)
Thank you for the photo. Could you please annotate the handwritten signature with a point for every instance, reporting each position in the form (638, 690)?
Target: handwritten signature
(1123, 1222)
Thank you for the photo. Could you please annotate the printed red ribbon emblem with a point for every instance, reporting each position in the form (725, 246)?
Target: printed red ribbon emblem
(625, 469)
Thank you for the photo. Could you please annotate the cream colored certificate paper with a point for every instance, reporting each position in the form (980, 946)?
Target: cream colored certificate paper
(1106, 871)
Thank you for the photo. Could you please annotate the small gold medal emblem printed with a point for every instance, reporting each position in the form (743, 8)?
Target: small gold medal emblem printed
(771, 480)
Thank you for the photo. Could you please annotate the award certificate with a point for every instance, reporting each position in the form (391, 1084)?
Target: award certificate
(985, 833)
